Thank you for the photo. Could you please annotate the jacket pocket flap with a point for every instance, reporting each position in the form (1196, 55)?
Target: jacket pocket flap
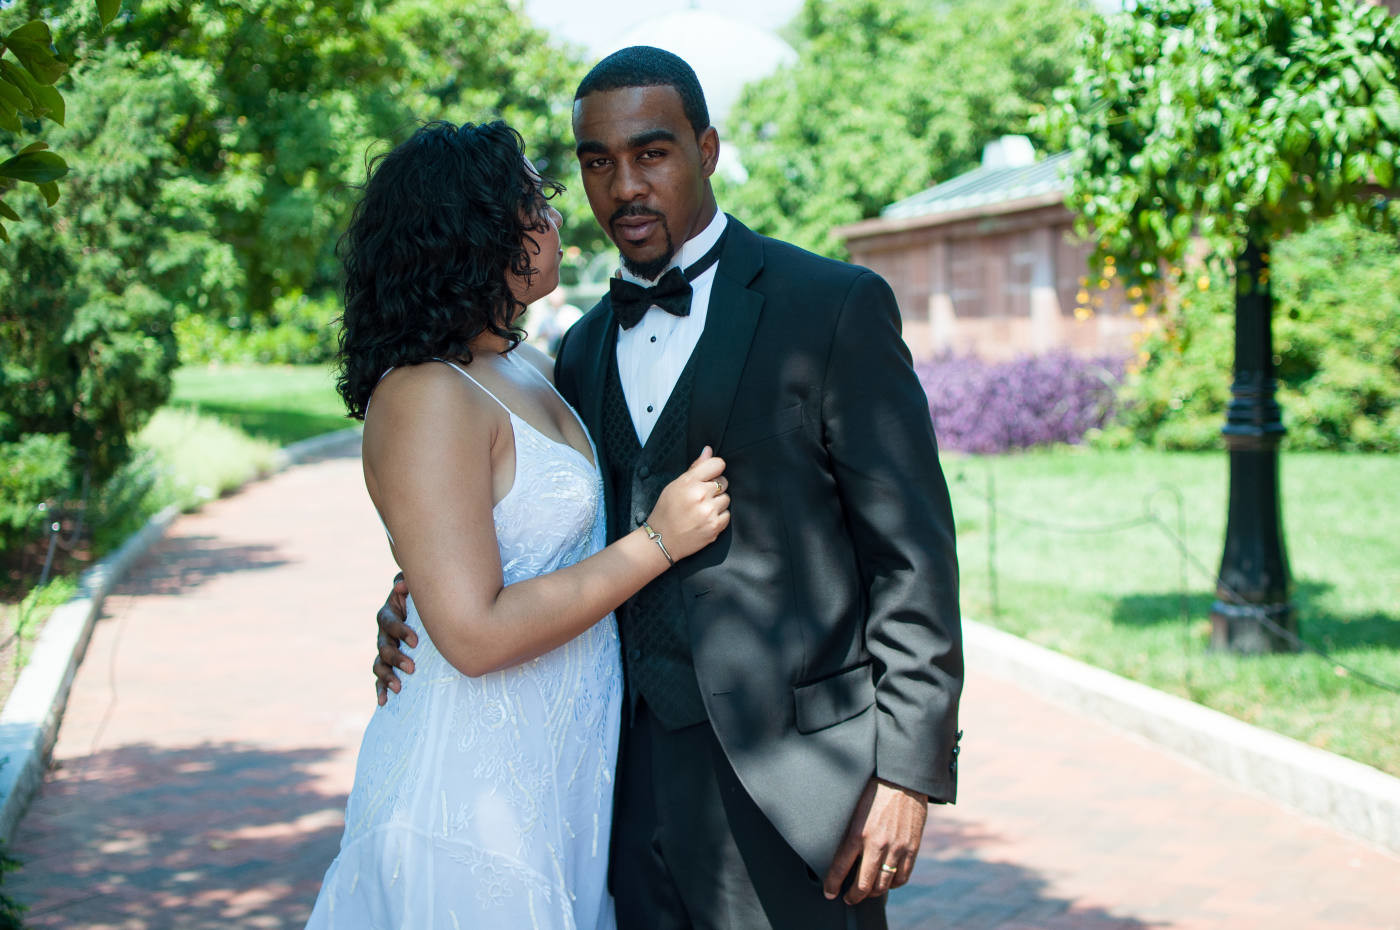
(833, 699)
(756, 429)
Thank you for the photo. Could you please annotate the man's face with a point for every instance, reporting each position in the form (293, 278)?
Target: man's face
(645, 173)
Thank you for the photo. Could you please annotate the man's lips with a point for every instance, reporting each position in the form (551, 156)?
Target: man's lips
(636, 228)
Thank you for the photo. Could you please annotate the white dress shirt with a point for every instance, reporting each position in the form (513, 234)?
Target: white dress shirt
(651, 355)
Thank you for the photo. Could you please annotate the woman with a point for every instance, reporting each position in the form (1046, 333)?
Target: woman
(483, 793)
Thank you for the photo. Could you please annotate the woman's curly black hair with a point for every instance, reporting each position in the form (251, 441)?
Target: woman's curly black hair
(443, 221)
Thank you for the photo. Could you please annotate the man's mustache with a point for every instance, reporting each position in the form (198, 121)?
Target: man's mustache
(633, 209)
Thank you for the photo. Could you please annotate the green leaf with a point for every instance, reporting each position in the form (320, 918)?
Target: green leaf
(9, 121)
(13, 76)
(1384, 170)
(42, 101)
(50, 192)
(32, 44)
(7, 212)
(107, 11)
(1388, 110)
(39, 146)
(4, 236)
(35, 167)
(52, 102)
(12, 95)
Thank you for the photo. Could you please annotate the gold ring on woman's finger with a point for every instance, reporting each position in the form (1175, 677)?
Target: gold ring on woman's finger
(719, 488)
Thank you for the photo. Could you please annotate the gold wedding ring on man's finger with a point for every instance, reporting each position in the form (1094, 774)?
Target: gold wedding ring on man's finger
(886, 867)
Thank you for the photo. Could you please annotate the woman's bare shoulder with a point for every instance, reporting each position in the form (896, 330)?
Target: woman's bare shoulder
(432, 395)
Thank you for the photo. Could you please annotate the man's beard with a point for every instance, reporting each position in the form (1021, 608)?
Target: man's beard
(650, 270)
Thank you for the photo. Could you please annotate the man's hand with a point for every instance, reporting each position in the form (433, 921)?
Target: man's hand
(392, 632)
(886, 829)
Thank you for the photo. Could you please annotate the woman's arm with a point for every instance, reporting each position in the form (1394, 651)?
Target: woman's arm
(427, 459)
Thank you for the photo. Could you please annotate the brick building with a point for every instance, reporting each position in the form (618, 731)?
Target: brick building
(987, 263)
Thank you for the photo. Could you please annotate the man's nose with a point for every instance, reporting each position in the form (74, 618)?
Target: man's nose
(628, 184)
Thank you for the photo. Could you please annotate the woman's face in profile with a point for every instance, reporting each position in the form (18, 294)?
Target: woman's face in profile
(542, 247)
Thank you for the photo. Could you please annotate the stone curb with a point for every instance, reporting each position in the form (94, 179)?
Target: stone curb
(1346, 795)
(30, 719)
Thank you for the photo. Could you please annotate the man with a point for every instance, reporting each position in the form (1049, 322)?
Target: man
(793, 688)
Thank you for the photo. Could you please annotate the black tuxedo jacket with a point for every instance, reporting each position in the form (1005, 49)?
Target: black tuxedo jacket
(824, 620)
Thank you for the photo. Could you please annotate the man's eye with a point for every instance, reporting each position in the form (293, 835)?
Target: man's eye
(596, 163)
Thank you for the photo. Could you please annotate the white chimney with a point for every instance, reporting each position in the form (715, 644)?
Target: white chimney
(1008, 152)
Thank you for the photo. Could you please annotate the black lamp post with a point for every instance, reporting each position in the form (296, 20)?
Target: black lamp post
(1252, 595)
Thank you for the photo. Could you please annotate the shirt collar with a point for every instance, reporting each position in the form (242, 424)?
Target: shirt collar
(691, 251)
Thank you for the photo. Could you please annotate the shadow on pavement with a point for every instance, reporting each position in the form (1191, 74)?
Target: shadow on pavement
(201, 837)
(225, 835)
(180, 564)
(953, 889)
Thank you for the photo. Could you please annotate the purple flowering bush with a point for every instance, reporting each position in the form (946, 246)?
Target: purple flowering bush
(1035, 400)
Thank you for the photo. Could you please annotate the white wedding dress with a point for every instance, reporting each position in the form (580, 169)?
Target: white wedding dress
(486, 803)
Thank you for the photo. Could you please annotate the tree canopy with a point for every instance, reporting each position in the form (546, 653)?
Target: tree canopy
(214, 149)
(886, 98)
(1226, 120)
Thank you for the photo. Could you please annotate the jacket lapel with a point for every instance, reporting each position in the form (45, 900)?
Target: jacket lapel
(601, 350)
(723, 349)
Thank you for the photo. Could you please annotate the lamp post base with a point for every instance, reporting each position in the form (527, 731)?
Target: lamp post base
(1253, 629)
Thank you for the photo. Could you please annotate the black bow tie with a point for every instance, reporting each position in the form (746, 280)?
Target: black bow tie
(630, 302)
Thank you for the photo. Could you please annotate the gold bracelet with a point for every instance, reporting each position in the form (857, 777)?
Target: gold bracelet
(655, 537)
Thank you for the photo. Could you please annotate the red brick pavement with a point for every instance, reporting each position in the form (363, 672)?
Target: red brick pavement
(203, 762)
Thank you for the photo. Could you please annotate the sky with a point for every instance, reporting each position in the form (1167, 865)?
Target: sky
(590, 23)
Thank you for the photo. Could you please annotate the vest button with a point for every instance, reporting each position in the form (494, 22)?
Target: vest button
(634, 653)
(644, 472)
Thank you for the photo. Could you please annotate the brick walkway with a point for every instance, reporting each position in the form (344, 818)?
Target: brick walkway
(209, 743)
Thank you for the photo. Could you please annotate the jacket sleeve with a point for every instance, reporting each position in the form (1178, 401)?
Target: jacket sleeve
(879, 436)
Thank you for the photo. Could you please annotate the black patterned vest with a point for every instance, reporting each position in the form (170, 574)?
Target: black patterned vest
(655, 642)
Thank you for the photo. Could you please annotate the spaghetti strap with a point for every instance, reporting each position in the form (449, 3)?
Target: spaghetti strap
(591, 458)
(483, 387)
(567, 406)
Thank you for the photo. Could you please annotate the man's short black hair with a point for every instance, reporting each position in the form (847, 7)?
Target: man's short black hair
(645, 66)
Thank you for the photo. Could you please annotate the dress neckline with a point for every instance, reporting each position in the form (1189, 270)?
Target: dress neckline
(593, 449)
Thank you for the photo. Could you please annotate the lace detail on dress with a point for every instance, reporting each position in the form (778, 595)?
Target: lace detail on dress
(486, 802)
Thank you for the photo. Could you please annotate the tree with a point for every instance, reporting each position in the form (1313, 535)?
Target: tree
(885, 99)
(1231, 124)
(214, 151)
(86, 341)
(301, 92)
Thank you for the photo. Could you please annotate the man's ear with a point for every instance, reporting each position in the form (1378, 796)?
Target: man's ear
(709, 151)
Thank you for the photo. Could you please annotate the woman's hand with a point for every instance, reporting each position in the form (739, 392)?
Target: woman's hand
(694, 508)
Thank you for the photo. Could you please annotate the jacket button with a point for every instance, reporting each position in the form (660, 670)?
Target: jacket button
(644, 472)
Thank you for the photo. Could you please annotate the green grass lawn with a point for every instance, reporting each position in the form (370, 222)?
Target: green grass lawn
(279, 403)
(1114, 598)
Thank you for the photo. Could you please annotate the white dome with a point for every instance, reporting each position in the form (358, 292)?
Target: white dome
(726, 53)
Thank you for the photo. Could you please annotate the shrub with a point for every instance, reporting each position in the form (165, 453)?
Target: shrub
(1336, 345)
(33, 471)
(980, 406)
(299, 331)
